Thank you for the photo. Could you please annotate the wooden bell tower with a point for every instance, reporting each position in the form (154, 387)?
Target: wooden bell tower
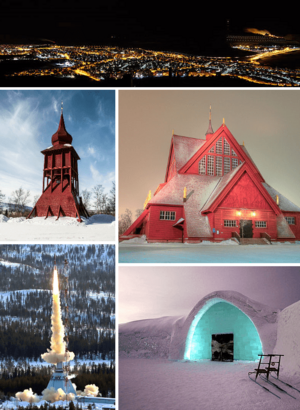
(60, 196)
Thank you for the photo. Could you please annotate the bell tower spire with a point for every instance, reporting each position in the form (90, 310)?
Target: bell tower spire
(210, 130)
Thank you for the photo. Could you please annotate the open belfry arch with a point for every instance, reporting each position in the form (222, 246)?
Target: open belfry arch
(213, 191)
(60, 195)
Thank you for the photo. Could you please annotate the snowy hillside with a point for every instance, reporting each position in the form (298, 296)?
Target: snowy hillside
(25, 299)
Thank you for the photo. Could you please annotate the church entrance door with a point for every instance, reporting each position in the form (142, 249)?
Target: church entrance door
(246, 230)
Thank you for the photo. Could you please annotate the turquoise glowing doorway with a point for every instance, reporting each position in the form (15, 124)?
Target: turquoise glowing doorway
(220, 316)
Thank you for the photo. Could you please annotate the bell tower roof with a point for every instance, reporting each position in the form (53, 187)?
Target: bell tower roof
(61, 136)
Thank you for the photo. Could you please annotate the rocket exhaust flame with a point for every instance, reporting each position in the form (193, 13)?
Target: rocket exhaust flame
(58, 352)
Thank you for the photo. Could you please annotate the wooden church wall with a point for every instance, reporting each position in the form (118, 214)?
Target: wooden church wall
(222, 214)
(163, 230)
(245, 194)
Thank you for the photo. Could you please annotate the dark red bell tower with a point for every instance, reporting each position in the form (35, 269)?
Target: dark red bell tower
(60, 195)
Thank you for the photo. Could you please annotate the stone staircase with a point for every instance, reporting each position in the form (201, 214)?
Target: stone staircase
(254, 241)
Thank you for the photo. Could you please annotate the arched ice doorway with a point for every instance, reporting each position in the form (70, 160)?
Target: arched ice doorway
(222, 318)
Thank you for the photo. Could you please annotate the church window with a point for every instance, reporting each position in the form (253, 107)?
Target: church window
(234, 163)
(226, 165)
(260, 224)
(202, 166)
(226, 147)
(167, 215)
(210, 165)
(212, 149)
(219, 149)
(229, 223)
(233, 152)
(219, 166)
(291, 220)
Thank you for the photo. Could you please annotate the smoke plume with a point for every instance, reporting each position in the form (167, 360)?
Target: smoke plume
(28, 395)
(91, 390)
(58, 352)
(56, 395)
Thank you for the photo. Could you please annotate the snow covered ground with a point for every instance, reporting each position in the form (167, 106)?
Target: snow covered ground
(149, 384)
(60, 403)
(65, 229)
(208, 253)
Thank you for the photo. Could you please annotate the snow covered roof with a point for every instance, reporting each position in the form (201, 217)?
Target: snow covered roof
(284, 203)
(222, 184)
(185, 148)
(199, 188)
(283, 228)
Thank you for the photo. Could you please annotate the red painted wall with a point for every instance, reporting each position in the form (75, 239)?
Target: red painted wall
(56, 199)
(162, 229)
(260, 215)
(245, 195)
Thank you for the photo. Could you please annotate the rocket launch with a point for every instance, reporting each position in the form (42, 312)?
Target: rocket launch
(58, 351)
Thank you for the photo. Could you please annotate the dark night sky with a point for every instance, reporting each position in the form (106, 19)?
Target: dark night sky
(74, 20)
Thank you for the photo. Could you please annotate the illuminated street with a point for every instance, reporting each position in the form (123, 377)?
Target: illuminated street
(100, 63)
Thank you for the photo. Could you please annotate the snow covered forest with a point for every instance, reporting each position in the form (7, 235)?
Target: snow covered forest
(25, 300)
(26, 306)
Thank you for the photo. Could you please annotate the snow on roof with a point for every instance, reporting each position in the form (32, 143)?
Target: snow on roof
(185, 148)
(199, 188)
(283, 229)
(284, 203)
(219, 188)
(248, 155)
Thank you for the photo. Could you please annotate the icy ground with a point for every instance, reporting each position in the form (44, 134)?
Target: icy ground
(208, 253)
(148, 384)
(65, 229)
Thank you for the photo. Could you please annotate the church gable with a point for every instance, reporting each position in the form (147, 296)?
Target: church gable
(245, 194)
(219, 155)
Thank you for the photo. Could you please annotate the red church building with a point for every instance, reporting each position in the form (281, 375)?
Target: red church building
(60, 196)
(214, 191)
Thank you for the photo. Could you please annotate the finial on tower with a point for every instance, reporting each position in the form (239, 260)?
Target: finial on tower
(62, 107)
(210, 130)
(223, 122)
(172, 133)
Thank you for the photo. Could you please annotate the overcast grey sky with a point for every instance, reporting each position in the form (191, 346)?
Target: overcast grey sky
(150, 292)
(268, 121)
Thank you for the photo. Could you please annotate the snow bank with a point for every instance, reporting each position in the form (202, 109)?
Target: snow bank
(100, 219)
(3, 218)
(288, 339)
(227, 242)
(96, 228)
(141, 240)
(146, 338)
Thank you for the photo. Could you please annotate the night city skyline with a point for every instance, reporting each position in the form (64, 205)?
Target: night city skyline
(112, 45)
